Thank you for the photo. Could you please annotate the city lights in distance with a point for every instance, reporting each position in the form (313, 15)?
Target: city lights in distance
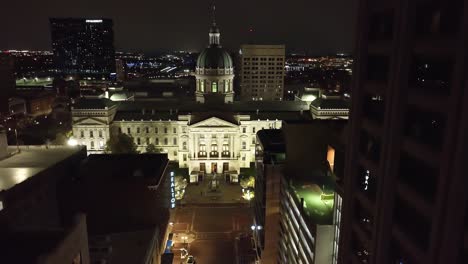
(93, 20)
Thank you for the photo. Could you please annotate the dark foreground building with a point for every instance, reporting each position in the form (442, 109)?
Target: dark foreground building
(83, 47)
(405, 198)
(126, 200)
(295, 194)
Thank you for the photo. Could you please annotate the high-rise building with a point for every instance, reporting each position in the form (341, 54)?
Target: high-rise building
(7, 81)
(404, 184)
(83, 46)
(295, 205)
(262, 72)
(270, 157)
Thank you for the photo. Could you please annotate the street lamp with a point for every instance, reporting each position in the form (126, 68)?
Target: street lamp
(16, 136)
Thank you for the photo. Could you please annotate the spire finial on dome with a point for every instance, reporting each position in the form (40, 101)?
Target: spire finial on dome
(213, 10)
(214, 30)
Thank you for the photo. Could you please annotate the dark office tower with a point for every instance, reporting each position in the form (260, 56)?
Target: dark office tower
(405, 198)
(7, 81)
(84, 47)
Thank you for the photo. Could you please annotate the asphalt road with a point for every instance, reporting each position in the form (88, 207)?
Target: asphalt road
(215, 229)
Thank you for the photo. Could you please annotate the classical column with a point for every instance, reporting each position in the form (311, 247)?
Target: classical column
(195, 145)
(220, 138)
(231, 145)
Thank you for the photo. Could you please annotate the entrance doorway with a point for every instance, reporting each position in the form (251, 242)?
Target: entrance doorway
(225, 166)
(214, 167)
(202, 167)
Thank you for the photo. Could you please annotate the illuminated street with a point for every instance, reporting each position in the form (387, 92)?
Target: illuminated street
(214, 230)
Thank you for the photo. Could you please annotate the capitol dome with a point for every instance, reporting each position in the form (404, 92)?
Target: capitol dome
(214, 73)
(214, 57)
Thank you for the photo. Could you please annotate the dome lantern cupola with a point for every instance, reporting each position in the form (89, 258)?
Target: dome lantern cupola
(214, 71)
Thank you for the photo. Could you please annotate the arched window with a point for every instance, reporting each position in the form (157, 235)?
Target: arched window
(202, 85)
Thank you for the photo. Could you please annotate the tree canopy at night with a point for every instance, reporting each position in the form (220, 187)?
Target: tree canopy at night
(121, 144)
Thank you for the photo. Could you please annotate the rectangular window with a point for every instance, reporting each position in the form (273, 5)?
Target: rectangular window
(147, 130)
(244, 129)
(156, 141)
(202, 86)
(128, 130)
(174, 141)
(138, 130)
(174, 130)
(214, 87)
(253, 130)
(147, 141)
(244, 145)
(91, 134)
(165, 130)
(92, 144)
(100, 133)
(156, 130)
(138, 141)
(82, 133)
(166, 141)
(184, 157)
(175, 153)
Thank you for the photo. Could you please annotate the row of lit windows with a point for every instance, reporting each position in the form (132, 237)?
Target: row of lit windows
(262, 59)
(262, 72)
(264, 63)
(91, 133)
(262, 77)
(263, 68)
(147, 141)
(149, 130)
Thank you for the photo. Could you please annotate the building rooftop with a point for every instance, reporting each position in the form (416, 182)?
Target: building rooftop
(272, 140)
(128, 165)
(171, 109)
(129, 247)
(330, 103)
(28, 246)
(117, 190)
(93, 103)
(317, 191)
(30, 161)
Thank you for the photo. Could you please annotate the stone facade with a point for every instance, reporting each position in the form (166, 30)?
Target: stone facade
(206, 145)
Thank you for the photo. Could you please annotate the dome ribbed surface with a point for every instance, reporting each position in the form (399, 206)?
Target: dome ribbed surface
(214, 57)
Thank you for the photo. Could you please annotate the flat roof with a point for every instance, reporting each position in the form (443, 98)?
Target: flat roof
(28, 246)
(272, 140)
(318, 205)
(131, 247)
(29, 162)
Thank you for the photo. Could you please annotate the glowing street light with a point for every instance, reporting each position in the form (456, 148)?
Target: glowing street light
(72, 142)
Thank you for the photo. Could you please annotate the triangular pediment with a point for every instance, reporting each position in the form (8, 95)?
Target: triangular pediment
(214, 122)
(89, 121)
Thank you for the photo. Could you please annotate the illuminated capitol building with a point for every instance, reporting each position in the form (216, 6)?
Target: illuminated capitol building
(211, 133)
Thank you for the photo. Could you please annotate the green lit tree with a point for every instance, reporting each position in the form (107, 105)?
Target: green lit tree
(121, 144)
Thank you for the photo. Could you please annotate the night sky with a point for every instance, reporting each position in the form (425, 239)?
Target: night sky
(314, 26)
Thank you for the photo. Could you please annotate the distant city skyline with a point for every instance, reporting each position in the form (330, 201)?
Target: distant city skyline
(313, 27)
